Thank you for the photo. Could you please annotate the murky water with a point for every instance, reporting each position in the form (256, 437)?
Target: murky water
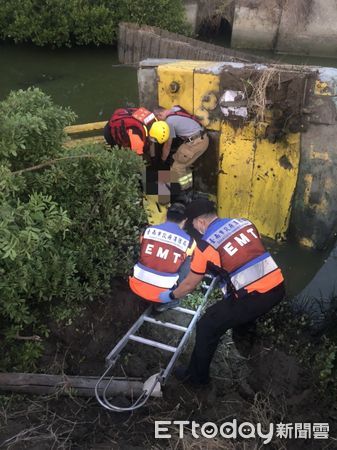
(89, 80)
(294, 59)
(298, 264)
(224, 41)
(93, 84)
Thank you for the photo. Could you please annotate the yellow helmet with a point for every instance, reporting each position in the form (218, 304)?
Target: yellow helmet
(160, 131)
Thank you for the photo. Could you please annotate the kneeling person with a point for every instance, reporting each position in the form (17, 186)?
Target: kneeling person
(164, 258)
(135, 128)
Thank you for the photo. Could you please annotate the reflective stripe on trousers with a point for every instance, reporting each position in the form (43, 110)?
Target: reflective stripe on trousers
(186, 181)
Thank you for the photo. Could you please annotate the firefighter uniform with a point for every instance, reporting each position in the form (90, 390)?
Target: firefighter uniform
(195, 142)
(133, 128)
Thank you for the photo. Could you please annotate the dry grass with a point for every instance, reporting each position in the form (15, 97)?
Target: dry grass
(40, 423)
(257, 100)
(265, 411)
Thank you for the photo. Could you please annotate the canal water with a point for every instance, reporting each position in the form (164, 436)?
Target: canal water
(93, 84)
(89, 80)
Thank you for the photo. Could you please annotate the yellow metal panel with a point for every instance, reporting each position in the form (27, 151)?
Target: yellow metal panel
(156, 213)
(236, 160)
(257, 178)
(175, 83)
(322, 88)
(273, 184)
(85, 127)
(206, 93)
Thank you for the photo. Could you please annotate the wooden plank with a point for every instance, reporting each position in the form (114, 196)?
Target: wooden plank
(121, 42)
(155, 46)
(41, 384)
(172, 50)
(183, 50)
(137, 46)
(163, 49)
(129, 43)
(146, 45)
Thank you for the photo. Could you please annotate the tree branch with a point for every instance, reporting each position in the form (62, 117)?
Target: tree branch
(51, 162)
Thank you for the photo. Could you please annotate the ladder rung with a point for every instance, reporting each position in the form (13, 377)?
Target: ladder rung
(184, 310)
(165, 324)
(152, 343)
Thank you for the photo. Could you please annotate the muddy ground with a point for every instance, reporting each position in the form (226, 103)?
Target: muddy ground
(259, 384)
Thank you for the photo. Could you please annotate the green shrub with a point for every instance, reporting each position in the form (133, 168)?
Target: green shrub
(41, 22)
(31, 128)
(101, 197)
(28, 232)
(66, 226)
(166, 14)
(68, 22)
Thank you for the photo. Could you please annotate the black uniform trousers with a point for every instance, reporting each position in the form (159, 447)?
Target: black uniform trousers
(225, 314)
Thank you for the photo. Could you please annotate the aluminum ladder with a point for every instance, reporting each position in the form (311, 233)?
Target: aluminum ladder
(154, 383)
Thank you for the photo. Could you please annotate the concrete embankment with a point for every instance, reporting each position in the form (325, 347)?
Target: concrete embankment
(298, 27)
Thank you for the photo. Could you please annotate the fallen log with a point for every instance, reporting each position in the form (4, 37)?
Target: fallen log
(42, 384)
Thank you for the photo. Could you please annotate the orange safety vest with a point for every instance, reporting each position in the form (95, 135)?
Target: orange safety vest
(243, 255)
(126, 122)
(164, 248)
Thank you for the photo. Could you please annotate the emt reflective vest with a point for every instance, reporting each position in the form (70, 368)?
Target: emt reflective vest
(243, 255)
(164, 248)
(124, 119)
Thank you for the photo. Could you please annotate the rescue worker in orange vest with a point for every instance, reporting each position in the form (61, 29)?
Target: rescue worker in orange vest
(135, 128)
(164, 258)
(252, 283)
(193, 143)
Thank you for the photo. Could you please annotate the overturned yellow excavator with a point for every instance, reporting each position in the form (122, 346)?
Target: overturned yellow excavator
(273, 151)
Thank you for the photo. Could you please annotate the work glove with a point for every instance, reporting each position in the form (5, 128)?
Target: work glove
(165, 296)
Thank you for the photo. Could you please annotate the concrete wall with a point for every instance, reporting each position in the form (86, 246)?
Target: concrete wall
(199, 11)
(296, 26)
(254, 25)
(312, 32)
(192, 13)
